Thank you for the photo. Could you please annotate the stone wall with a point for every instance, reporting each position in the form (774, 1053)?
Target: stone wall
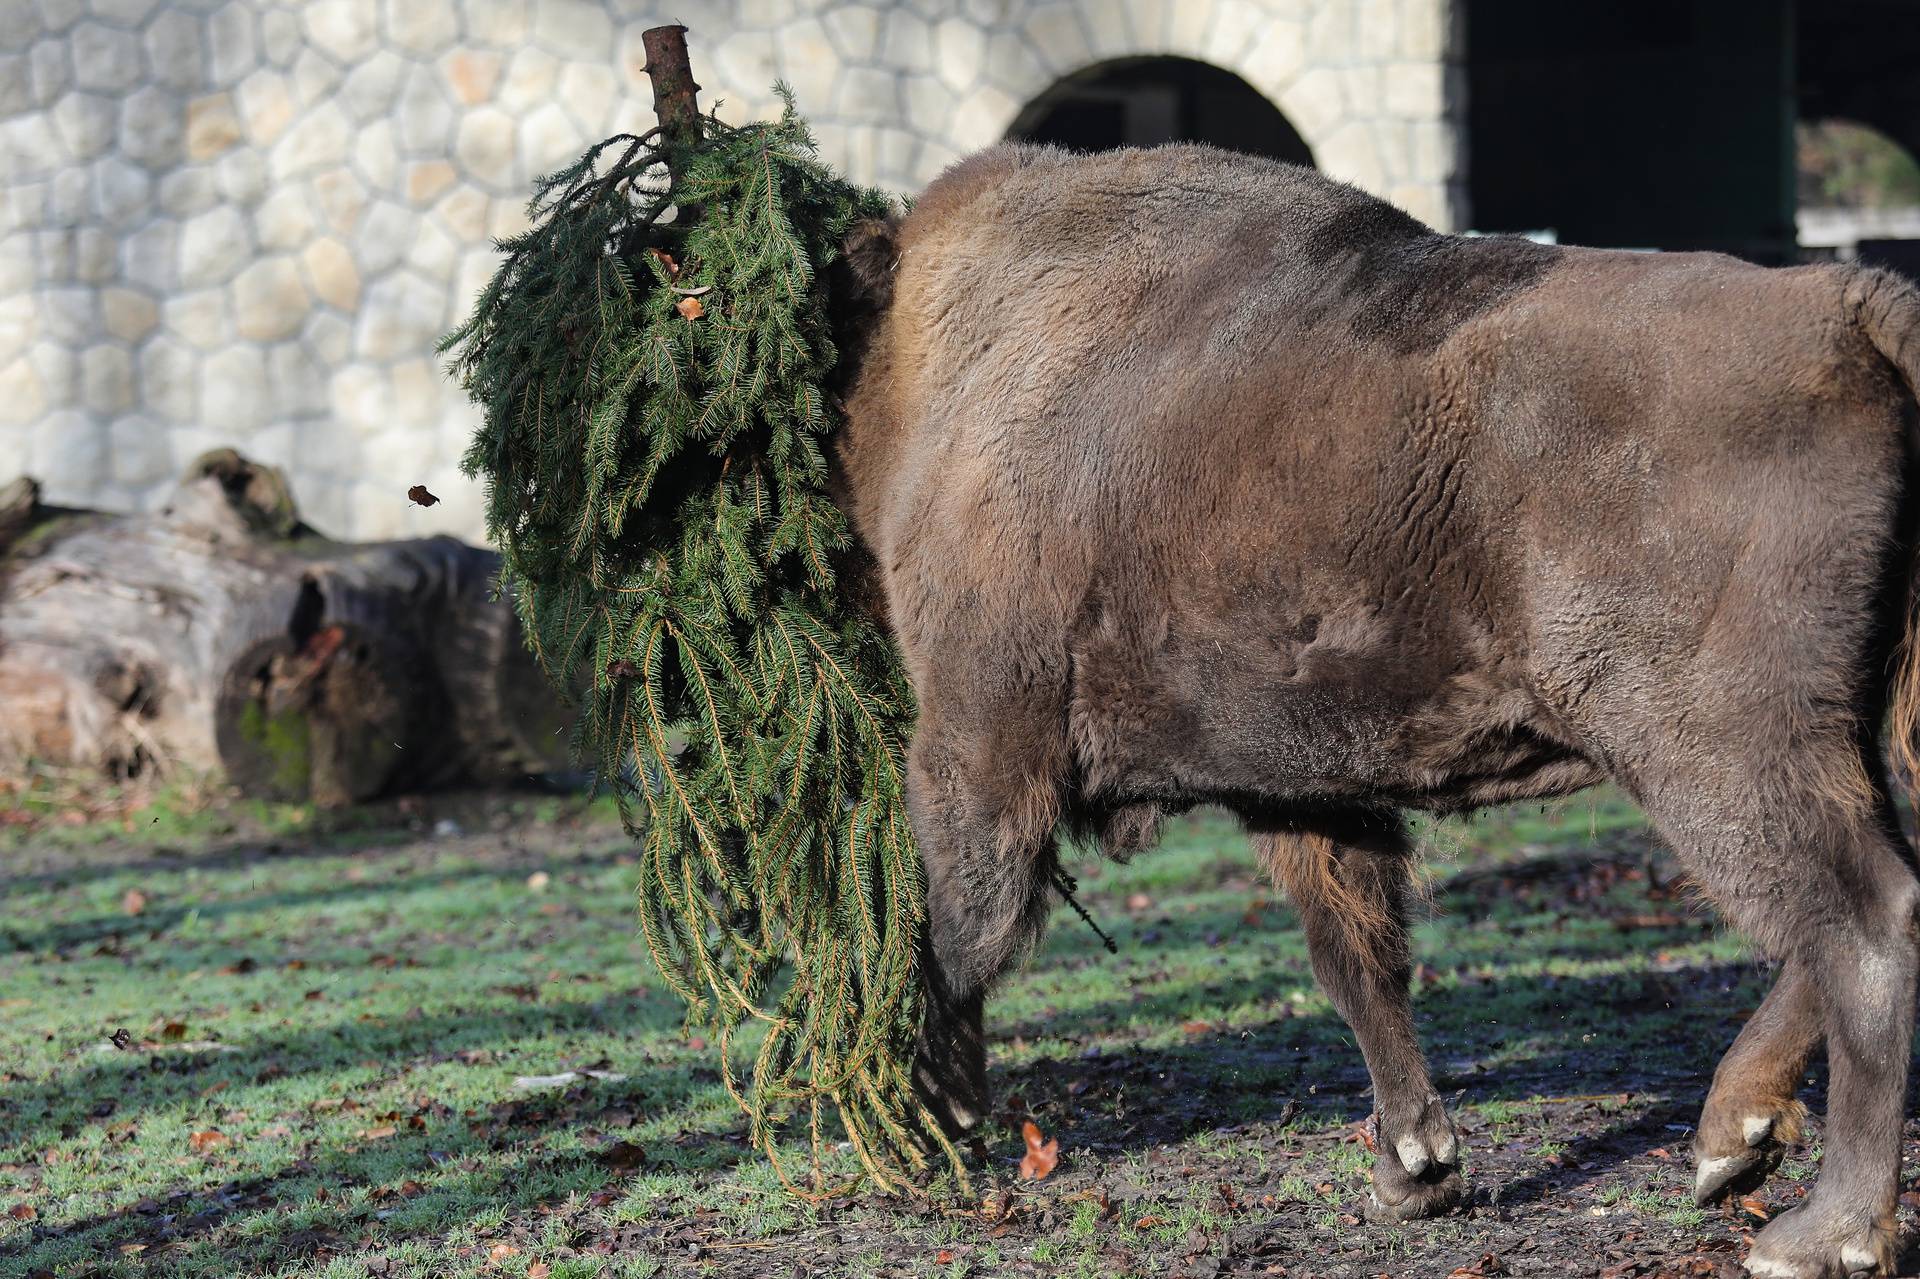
(246, 222)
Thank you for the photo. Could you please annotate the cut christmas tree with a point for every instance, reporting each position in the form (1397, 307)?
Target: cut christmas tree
(655, 361)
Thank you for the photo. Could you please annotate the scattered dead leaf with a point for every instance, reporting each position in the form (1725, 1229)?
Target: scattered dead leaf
(23, 1212)
(539, 1270)
(666, 260)
(1043, 1153)
(690, 308)
(538, 881)
(1139, 901)
(381, 1133)
(623, 1156)
(121, 1039)
(133, 902)
(419, 496)
(207, 1139)
(500, 1252)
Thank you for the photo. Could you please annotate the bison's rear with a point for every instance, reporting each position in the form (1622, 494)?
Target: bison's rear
(1189, 477)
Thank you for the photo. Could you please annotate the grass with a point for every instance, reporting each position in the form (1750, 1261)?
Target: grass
(326, 1025)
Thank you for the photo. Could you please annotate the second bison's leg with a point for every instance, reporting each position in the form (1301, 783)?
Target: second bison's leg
(987, 841)
(1349, 881)
(1752, 1114)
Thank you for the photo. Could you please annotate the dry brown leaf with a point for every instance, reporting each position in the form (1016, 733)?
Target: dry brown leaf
(133, 902)
(1755, 1207)
(539, 1270)
(381, 1133)
(666, 260)
(1043, 1153)
(538, 881)
(690, 308)
(419, 496)
(1139, 901)
(23, 1212)
(206, 1139)
(501, 1251)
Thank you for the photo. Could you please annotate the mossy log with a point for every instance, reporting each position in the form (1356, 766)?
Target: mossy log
(223, 637)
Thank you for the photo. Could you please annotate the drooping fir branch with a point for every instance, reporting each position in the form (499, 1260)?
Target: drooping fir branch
(655, 454)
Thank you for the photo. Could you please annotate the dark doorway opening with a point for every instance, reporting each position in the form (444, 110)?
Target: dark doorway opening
(1143, 102)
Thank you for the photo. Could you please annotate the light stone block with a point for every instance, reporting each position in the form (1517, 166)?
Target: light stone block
(421, 27)
(548, 141)
(868, 93)
(106, 379)
(265, 106)
(427, 179)
(122, 13)
(1314, 105)
(23, 397)
(58, 15)
(501, 23)
(342, 29)
(425, 119)
(484, 146)
(16, 84)
(1056, 36)
(280, 37)
(330, 337)
(122, 192)
(1236, 25)
(18, 325)
(434, 253)
(69, 455)
(465, 214)
(242, 177)
(213, 246)
(384, 237)
(375, 157)
(1109, 32)
(472, 74)
(317, 141)
(147, 256)
(959, 53)
(232, 47)
(908, 44)
(138, 449)
(1415, 90)
(341, 197)
(233, 390)
(1187, 24)
(85, 123)
(335, 276)
(371, 85)
(200, 318)
(929, 105)
(1438, 153)
(170, 378)
(128, 313)
(212, 126)
(153, 127)
(315, 77)
(1277, 56)
(284, 219)
(296, 381)
(854, 30)
(587, 93)
(105, 60)
(573, 28)
(982, 118)
(49, 70)
(172, 42)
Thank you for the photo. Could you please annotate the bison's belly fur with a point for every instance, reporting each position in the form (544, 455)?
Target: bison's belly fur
(1192, 477)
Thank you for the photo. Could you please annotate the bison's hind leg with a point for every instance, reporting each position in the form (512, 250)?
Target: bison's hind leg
(1799, 849)
(1349, 878)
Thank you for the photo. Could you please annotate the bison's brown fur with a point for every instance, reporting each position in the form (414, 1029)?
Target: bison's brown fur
(1190, 477)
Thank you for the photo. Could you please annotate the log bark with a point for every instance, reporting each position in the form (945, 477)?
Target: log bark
(222, 637)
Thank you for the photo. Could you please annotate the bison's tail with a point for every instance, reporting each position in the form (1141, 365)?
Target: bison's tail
(1887, 309)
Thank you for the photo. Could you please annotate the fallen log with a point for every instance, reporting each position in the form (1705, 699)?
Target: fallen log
(222, 637)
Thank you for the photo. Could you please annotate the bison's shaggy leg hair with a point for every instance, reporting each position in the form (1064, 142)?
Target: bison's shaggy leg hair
(1825, 881)
(986, 836)
(1349, 877)
(1752, 1115)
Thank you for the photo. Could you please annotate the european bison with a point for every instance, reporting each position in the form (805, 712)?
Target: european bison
(1190, 478)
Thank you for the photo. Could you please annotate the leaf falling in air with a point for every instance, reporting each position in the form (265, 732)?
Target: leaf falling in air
(419, 496)
(1043, 1153)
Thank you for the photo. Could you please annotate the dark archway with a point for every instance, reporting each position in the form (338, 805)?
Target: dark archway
(1138, 102)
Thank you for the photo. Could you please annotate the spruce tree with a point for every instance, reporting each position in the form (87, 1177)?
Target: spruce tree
(655, 455)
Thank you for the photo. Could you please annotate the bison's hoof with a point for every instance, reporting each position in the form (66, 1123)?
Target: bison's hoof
(1417, 1172)
(1801, 1244)
(1738, 1147)
(1387, 1203)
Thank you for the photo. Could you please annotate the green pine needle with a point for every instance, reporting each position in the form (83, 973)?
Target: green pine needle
(658, 489)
